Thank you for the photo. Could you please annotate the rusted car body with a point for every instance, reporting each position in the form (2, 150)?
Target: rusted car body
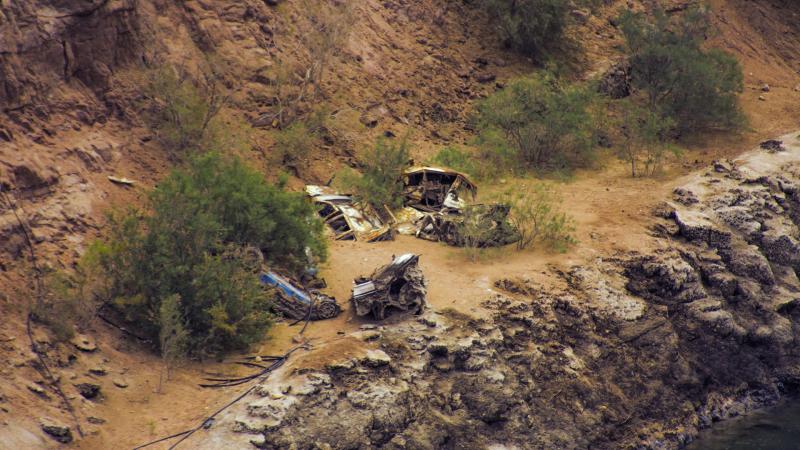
(296, 303)
(395, 287)
(434, 189)
(348, 219)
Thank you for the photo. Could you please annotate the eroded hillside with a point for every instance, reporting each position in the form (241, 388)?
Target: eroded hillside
(71, 116)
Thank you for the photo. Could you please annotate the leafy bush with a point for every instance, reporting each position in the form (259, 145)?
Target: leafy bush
(644, 139)
(381, 181)
(697, 88)
(531, 27)
(189, 244)
(539, 123)
(535, 213)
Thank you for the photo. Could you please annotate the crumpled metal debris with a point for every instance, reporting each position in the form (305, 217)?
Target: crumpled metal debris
(479, 226)
(399, 285)
(436, 210)
(346, 218)
(434, 189)
(296, 303)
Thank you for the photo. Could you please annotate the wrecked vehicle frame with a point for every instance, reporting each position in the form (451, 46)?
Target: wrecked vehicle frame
(346, 218)
(297, 303)
(435, 189)
(399, 285)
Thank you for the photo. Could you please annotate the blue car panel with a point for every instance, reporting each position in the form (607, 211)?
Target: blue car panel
(273, 279)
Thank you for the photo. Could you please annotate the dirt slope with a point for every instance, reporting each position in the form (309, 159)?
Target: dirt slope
(69, 120)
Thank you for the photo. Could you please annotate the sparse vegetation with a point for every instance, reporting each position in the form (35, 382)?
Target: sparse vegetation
(331, 23)
(536, 215)
(536, 123)
(172, 336)
(695, 87)
(296, 141)
(531, 27)
(69, 297)
(644, 139)
(187, 249)
(184, 110)
(381, 181)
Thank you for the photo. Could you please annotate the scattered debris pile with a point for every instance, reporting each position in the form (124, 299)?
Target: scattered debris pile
(399, 285)
(480, 226)
(436, 210)
(773, 145)
(347, 219)
(298, 304)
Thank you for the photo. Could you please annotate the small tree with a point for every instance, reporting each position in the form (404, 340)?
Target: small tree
(545, 124)
(644, 139)
(697, 88)
(381, 182)
(535, 214)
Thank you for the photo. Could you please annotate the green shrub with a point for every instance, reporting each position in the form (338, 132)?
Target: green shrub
(540, 124)
(644, 140)
(695, 87)
(381, 180)
(189, 244)
(531, 27)
(172, 335)
(536, 215)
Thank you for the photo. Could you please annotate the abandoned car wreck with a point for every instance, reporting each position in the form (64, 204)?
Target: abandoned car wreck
(296, 303)
(436, 210)
(395, 287)
(347, 219)
(479, 226)
(434, 189)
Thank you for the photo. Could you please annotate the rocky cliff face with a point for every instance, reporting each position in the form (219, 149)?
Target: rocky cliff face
(47, 44)
(635, 351)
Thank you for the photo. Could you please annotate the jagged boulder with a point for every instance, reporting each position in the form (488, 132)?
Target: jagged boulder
(780, 247)
(56, 430)
(698, 226)
(666, 280)
(747, 261)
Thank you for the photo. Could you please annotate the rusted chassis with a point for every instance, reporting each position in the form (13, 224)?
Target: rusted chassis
(397, 286)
